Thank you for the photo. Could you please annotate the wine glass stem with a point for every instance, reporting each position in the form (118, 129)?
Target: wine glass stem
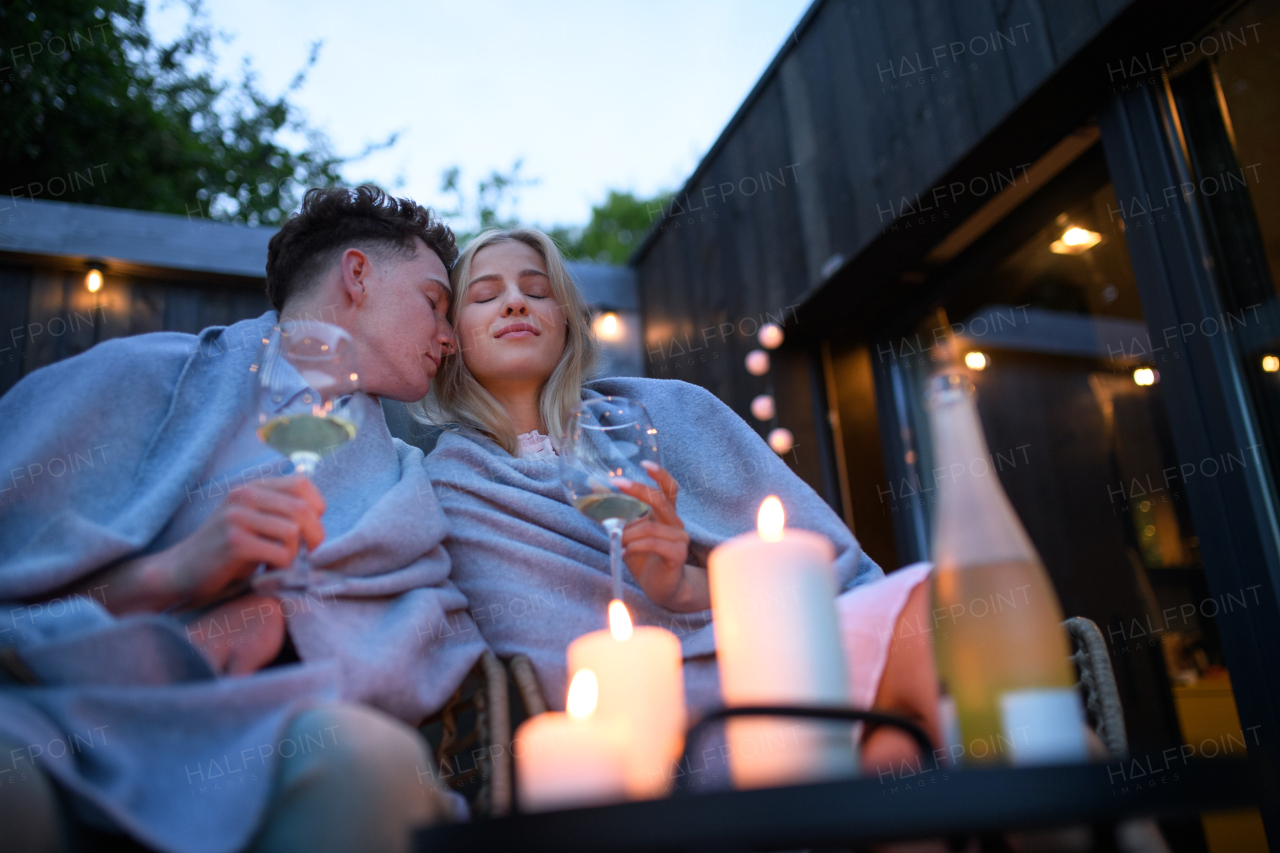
(304, 463)
(614, 526)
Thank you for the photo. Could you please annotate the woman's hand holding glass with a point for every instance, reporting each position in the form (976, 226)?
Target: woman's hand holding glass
(656, 546)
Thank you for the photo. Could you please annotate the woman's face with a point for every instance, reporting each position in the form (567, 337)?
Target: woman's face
(510, 328)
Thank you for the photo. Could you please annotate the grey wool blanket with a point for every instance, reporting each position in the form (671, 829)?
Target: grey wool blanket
(536, 571)
(102, 451)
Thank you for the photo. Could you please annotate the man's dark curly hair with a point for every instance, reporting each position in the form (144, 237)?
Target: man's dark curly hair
(334, 219)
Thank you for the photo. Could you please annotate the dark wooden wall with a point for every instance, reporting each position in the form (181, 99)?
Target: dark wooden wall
(832, 139)
(47, 314)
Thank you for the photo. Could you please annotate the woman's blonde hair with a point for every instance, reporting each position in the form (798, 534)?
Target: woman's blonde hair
(457, 397)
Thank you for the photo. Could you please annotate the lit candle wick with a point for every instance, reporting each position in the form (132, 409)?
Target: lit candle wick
(771, 519)
(584, 690)
(619, 620)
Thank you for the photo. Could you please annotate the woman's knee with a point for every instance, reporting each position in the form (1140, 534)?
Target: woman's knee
(909, 684)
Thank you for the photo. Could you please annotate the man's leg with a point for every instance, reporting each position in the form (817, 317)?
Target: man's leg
(358, 780)
(30, 813)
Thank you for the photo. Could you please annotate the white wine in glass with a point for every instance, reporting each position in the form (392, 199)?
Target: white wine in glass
(307, 438)
(608, 437)
(604, 506)
(310, 404)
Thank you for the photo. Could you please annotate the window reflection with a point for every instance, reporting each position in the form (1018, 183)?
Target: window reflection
(1070, 394)
(1229, 105)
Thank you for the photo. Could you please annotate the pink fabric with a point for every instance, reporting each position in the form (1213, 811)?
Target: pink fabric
(867, 615)
(535, 445)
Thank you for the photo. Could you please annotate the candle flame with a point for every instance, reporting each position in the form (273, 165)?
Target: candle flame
(619, 620)
(771, 519)
(584, 690)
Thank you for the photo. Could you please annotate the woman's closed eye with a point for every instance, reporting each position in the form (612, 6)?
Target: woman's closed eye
(482, 293)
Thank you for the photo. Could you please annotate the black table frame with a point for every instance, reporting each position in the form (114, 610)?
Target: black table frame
(935, 803)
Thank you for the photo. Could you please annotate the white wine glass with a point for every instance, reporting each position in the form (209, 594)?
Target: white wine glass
(309, 404)
(608, 437)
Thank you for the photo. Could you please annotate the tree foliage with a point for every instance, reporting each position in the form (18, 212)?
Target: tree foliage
(615, 229)
(87, 92)
(493, 203)
(98, 111)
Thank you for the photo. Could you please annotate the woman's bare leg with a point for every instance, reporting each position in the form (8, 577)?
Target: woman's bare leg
(908, 688)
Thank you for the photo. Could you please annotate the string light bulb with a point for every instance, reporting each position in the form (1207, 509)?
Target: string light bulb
(770, 336)
(781, 440)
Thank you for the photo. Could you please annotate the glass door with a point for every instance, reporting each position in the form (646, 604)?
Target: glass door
(1045, 312)
(1229, 106)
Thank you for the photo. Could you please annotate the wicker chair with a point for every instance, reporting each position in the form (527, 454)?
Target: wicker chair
(1098, 684)
(469, 737)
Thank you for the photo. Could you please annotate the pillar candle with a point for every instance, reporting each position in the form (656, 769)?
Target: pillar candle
(641, 685)
(573, 759)
(777, 643)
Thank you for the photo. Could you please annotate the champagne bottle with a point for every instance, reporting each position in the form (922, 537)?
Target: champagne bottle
(999, 642)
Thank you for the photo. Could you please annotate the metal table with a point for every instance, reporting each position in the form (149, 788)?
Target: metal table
(938, 803)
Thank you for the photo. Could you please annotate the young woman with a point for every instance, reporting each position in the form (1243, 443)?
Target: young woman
(536, 572)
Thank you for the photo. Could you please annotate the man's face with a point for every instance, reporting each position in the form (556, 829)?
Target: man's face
(402, 328)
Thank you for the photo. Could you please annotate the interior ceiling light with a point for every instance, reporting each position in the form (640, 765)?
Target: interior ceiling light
(1074, 241)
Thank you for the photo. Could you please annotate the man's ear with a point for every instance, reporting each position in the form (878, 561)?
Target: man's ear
(356, 268)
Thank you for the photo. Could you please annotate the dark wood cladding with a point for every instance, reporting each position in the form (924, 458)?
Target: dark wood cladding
(839, 130)
(869, 104)
(49, 315)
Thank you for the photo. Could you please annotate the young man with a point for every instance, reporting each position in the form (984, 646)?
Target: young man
(139, 488)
